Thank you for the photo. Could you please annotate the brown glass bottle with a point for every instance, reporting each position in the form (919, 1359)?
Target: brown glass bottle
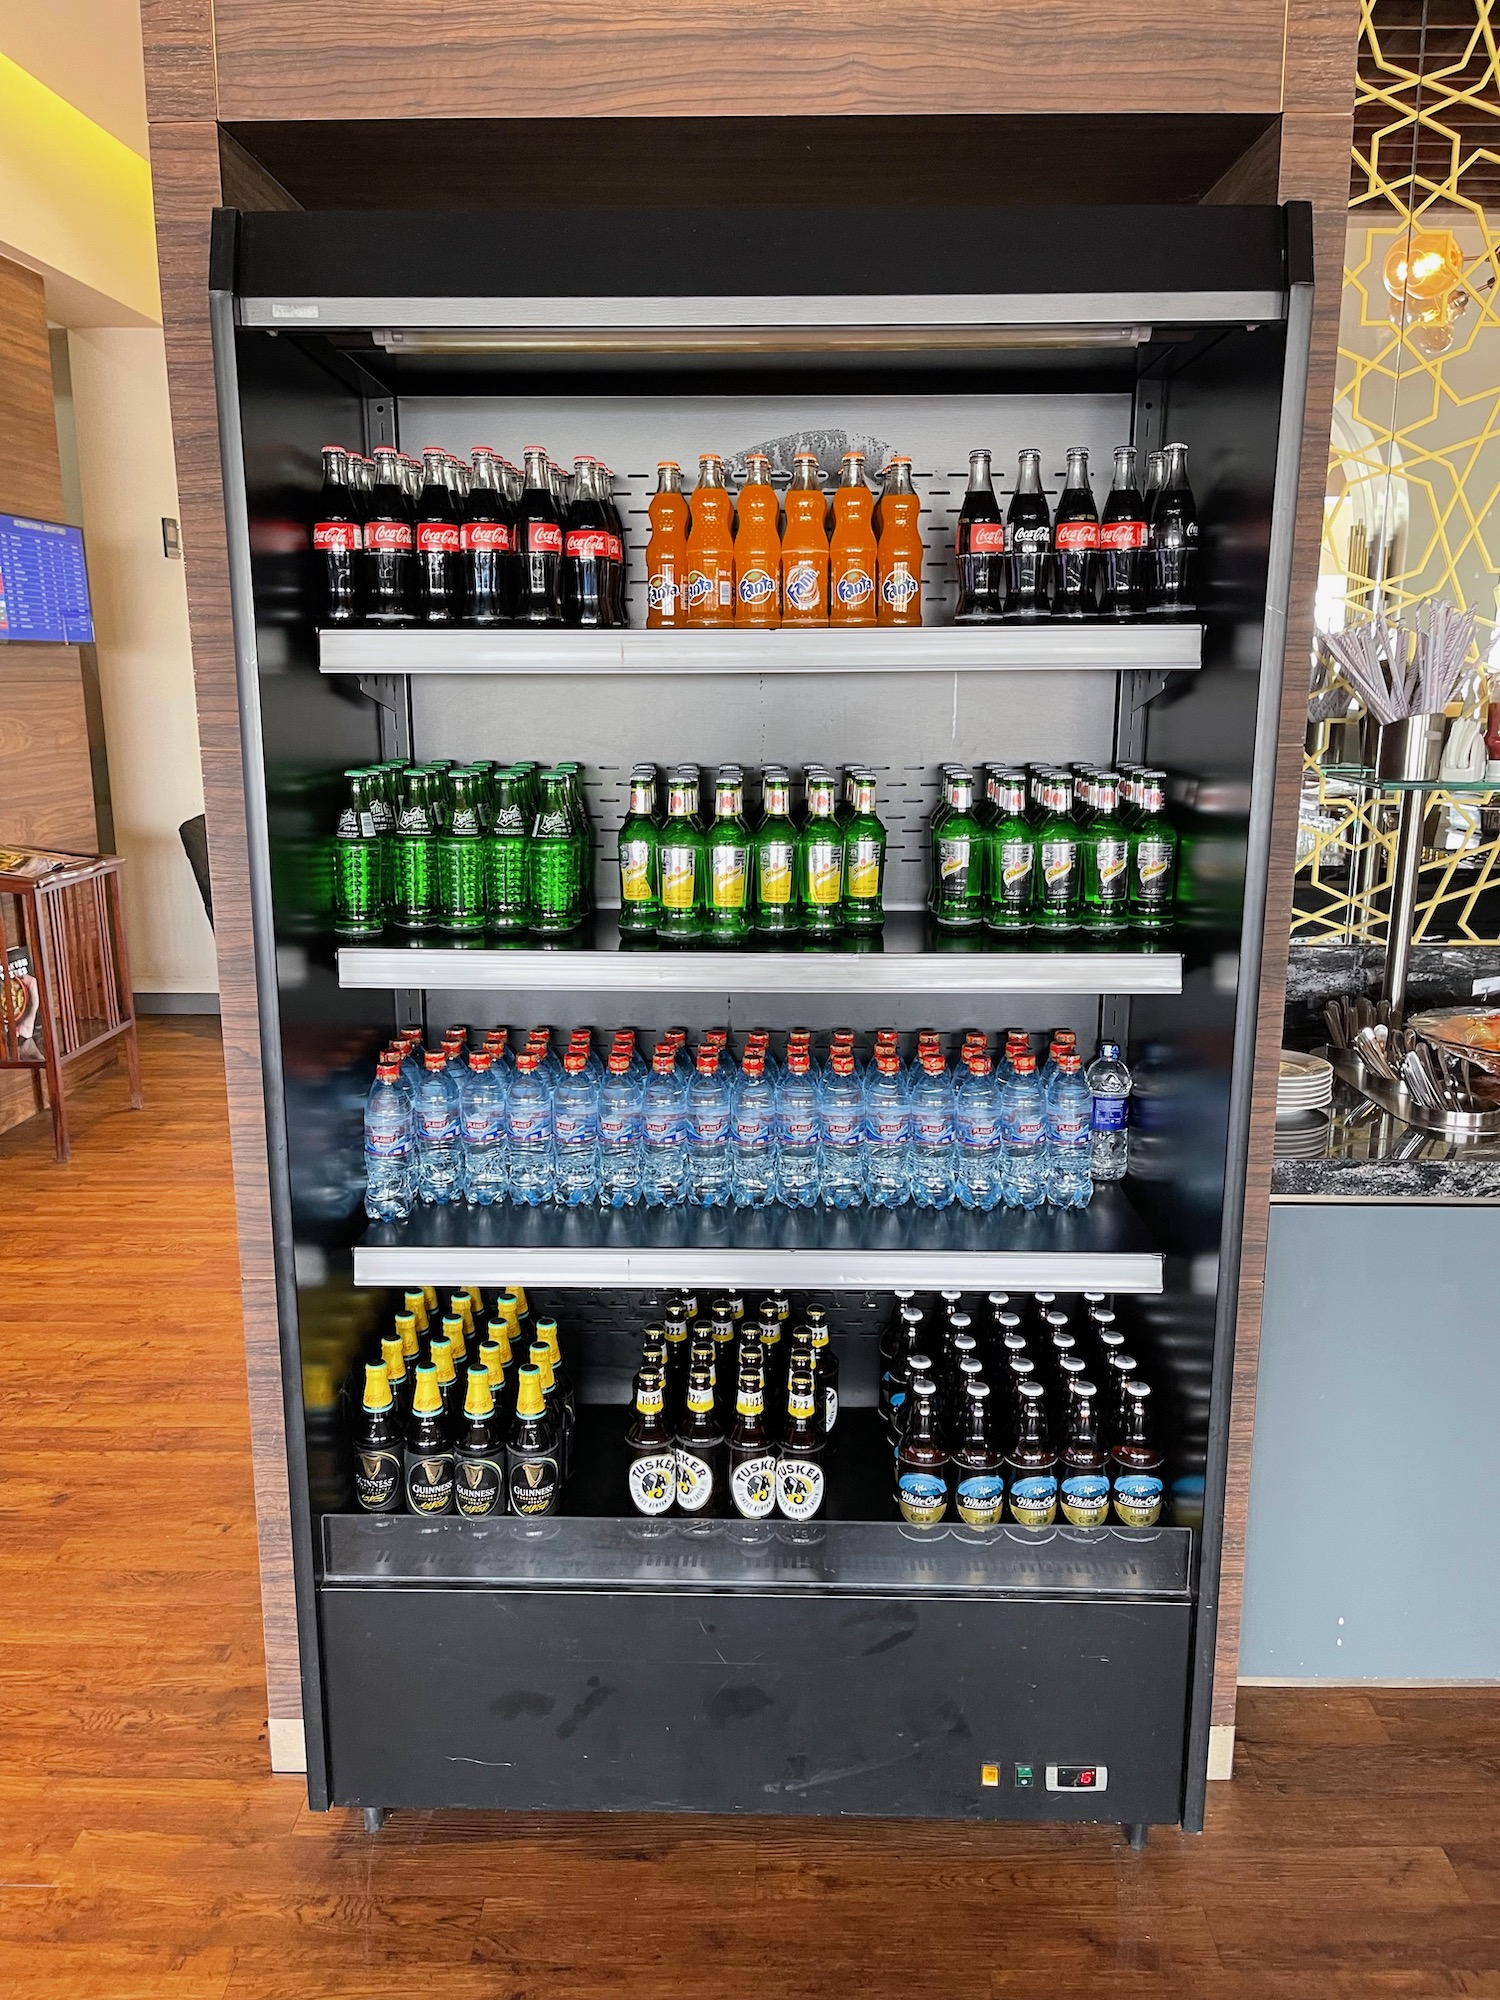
(446, 1363)
(1135, 1463)
(394, 1357)
(1084, 1470)
(702, 1455)
(539, 1356)
(652, 1474)
(478, 1457)
(377, 1445)
(799, 1458)
(427, 1460)
(1031, 1464)
(827, 1363)
(533, 1462)
(976, 1468)
(721, 1332)
(562, 1382)
(752, 1456)
(921, 1462)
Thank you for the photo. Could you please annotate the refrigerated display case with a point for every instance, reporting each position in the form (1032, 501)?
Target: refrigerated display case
(853, 1664)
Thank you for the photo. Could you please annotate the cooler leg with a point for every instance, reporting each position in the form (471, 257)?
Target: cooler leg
(374, 1818)
(1135, 1834)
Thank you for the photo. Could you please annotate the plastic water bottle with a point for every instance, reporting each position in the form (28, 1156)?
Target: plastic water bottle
(481, 1097)
(1070, 1136)
(528, 1131)
(575, 1129)
(710, 1154)
(1110, 1082)
(388, 1147)
(841, 1131)
(976, 1133)
(1023, 1136)
(439, 1132)
(1063, 1043)
(753, 1125)
(797, 1127)
(931, 1094)
(664, 1130)
(621, 1098)
(887, 1129)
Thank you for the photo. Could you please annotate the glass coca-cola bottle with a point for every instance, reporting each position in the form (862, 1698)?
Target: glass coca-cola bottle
(389, 583)
(586, 575)
(981, 549)
(1075, 543)
(488, 538)
(539, 531)
(1122, 543)
(337, 540)
(604, 481)
(1028, 534)
(1174, 539)
(437, 543)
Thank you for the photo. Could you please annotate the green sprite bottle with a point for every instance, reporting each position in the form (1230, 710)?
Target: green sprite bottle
(1012, 857)
(1059, 854)
(864, 860)
(413, 873)
(1106, 858)
(728, 878)
(552, 860)
(773, 858)
(640, 864)
(506, 844)
(460, 859)
(820, 860)
(359, 861)
(583, 834)
(956, 897)
(683, 861)
(1153, 857)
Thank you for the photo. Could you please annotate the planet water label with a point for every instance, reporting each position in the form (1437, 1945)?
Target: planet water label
(439, 1126)
(799, 1487)
(728, 873)
(678, 877)
(842, 1123)
(1033, 1500)
(653, 1481)
(377, 1480)
(864, 868)
(1138, 1500)
(695, 1481)
(478, 1487)
(825, 872)
(752, 1486)
(635, 871)
(1085, 1500)
(922, 1498)
(980, 1499)
(482, 1128)
(386, 1144)
(429, 1482)
(776, 872)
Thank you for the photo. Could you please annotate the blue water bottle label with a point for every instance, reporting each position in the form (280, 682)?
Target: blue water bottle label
(1109, 1114)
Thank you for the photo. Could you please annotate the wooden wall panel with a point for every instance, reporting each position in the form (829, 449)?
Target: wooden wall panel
(185, 168)
(178, 38)
(30, 475)
(46, 785)
(694, 58)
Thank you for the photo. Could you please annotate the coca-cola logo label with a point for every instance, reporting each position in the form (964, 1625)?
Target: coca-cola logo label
(587, 545)
(543, 538)
(437, 538)
(342, 535)
(387, 536)
(1122, 535)
(1071, 537)
(616, 549)
(492, 536)
(986, 538)
(855, 586)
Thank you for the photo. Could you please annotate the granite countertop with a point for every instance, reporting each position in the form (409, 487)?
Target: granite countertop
(1361, 1153)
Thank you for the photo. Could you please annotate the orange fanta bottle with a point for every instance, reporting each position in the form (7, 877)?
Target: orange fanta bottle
(899, 544)
(757, 546)
(666, 549)
(804, 546)
(710, 547)
(851, 592)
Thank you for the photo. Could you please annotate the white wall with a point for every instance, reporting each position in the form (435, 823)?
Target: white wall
(129, 482)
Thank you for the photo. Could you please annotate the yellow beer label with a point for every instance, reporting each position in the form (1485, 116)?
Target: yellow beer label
(776, 872)
(864, 870)
(825, 872)
(677, 877)
(635, 871)
(727, 879)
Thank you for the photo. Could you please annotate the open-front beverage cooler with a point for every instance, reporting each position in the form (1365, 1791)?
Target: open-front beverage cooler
(856, 1660)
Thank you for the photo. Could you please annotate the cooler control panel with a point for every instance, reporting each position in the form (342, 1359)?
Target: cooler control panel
(1077, 1777)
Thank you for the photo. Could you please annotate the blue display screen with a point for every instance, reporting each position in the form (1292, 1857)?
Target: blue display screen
(44, 586)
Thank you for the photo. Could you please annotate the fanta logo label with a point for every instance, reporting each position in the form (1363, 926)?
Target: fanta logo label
(900, 589)
(757, 586)
(699, 588)
(802, 589)
(662, 590)
(854, 586)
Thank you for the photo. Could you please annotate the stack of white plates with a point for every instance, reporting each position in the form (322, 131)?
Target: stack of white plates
(1304, 1085)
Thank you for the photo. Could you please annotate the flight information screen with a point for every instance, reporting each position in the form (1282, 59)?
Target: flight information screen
(44, 586)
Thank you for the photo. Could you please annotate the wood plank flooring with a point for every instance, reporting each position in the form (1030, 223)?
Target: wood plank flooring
(146, 1855)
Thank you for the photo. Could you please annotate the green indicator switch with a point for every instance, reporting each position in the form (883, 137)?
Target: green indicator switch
(1025, 1777)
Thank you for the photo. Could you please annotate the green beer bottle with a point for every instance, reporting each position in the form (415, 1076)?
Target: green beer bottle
(728, 878)
(640, 866)
(864, 860)
(1153, 857)
(683, 861)
(358, 862)
(956, 897)
(1012, 857)
(583, 834)
(773, 857)
(506, 908)
(414, 902)
(460, 859)
(552, 860)
(1059, 872)
(1106, 858)
(820, 860)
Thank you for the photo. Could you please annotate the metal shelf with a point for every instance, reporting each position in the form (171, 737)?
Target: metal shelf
(1105, 1247)
(908, 957)
(1152, 646)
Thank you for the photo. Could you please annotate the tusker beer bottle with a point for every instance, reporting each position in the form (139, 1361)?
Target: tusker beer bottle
(804, 546)
(702, 1456)
(799, 1462)
(377, 1445)
(898, 548)
(852, 552)
(651, 1476)
(757, 547)
(533, 1471)
(752, 1457)
(710, 547)
(666, 550)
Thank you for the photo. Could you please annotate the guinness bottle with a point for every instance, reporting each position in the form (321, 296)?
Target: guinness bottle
(478, 1469)
(652, 1474)
(533, 1471)
(446, 1369)
(562, 1383)
(799, 1463)
(557, 1410)
(921, 1462)
(394, 1357)
(428, 1458)
(377, 1453)
(701, 1451)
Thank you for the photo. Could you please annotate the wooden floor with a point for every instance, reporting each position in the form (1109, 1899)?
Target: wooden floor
(146, 1855)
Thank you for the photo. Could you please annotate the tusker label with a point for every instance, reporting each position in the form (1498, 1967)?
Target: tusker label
(980, 1499)
(695, 1481)
(377, 1480)
(864, 868)
(729, 869)
(635, 871)
(986, 538)
(1075, 537)
(1033, 1500)
(1085, 1500)
(387, 537)
(478, 1487)
(1138, 1500)
(825, 873)
(752, 1487)
(653, 1481)
(922, 1498)
(340, 535)
(1119, 535)
(799, 1487)
(678, 877)
(437, 538)
(776, 872)
(830, 1408)
(492, 537)
(531, 1481)
(543, 538)
(429, 1482)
